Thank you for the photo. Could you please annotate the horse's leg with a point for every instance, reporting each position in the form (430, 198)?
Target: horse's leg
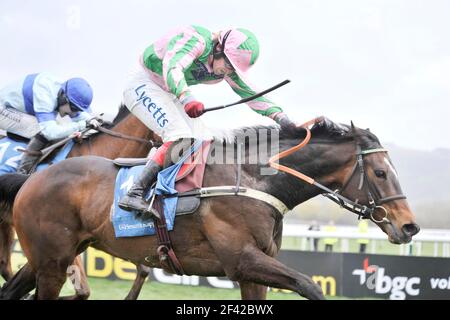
(82, 288)
(24, 281)
(242, 260)
(20, 284)
(78, 278)
(50, 280)
(255, 266)
(6, 241)
(252, 291)
(142, 273)
(52, 273)
(50, 257)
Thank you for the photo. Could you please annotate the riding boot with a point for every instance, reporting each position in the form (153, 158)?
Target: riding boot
(32, 154)
(134, 200)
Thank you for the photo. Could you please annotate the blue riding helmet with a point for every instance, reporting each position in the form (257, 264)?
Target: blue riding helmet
(79, 93)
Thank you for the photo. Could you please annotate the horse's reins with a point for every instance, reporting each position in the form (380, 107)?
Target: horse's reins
(46, 151)
(363, 211)
(118, 134)
(126, 137)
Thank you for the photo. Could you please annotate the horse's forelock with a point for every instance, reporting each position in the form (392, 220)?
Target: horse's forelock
(366, 139)
(341, 132)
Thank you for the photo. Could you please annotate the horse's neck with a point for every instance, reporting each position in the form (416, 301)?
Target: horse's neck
(107, 146)
(325, 163)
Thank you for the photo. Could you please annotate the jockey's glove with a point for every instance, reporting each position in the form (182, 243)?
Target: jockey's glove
(93, 123)
(194, 109)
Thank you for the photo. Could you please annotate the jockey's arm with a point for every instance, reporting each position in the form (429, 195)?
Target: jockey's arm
(44, 95)
(261, 105)
(179, 56)
(52, 130)
(81, 116)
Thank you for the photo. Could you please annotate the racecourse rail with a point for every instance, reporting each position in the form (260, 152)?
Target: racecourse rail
(440, 238)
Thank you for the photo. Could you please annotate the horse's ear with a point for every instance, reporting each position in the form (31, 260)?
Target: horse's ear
(368, 129)
(354, 133)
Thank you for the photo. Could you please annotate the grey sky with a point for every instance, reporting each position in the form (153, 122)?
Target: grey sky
(383, 64)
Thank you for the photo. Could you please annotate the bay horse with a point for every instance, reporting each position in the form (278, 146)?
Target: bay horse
(61, 211)
(108, 145)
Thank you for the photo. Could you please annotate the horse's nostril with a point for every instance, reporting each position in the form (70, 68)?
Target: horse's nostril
(411, 229)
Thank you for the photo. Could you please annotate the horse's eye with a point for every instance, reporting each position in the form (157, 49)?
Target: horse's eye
(380, 174)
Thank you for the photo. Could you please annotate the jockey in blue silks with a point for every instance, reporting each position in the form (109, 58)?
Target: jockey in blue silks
(29, 108)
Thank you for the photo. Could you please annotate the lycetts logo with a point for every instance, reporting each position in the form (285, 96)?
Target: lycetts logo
(374, 278)
(151, 106)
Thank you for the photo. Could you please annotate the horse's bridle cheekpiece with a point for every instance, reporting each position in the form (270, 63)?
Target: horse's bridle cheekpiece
(374, 197)
(363, 211)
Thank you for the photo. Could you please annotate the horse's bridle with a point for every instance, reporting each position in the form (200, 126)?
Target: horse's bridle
(363, 211)
(373, 195)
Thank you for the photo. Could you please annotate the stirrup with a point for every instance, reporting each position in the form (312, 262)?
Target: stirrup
(150, 211)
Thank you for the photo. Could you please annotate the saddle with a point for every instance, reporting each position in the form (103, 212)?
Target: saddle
(14, 145)
(16, 137)
(189, 177)
(53, 153)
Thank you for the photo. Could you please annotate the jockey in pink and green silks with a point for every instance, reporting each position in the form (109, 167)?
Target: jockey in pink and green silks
(193, 55)
(158, 92)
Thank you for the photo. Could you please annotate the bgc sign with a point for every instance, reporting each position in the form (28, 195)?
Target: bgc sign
(396, 277)
(375, 278)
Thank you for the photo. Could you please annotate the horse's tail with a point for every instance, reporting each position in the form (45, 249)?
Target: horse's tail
(10, 184)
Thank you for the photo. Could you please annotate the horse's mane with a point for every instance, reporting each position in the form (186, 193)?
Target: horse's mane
(324, 130)
(327, 129)
(122, 114)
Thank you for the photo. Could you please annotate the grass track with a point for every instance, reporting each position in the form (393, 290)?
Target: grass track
(104, 289)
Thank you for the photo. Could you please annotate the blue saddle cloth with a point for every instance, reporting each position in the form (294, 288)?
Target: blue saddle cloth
(128, 224)
(10, 156)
